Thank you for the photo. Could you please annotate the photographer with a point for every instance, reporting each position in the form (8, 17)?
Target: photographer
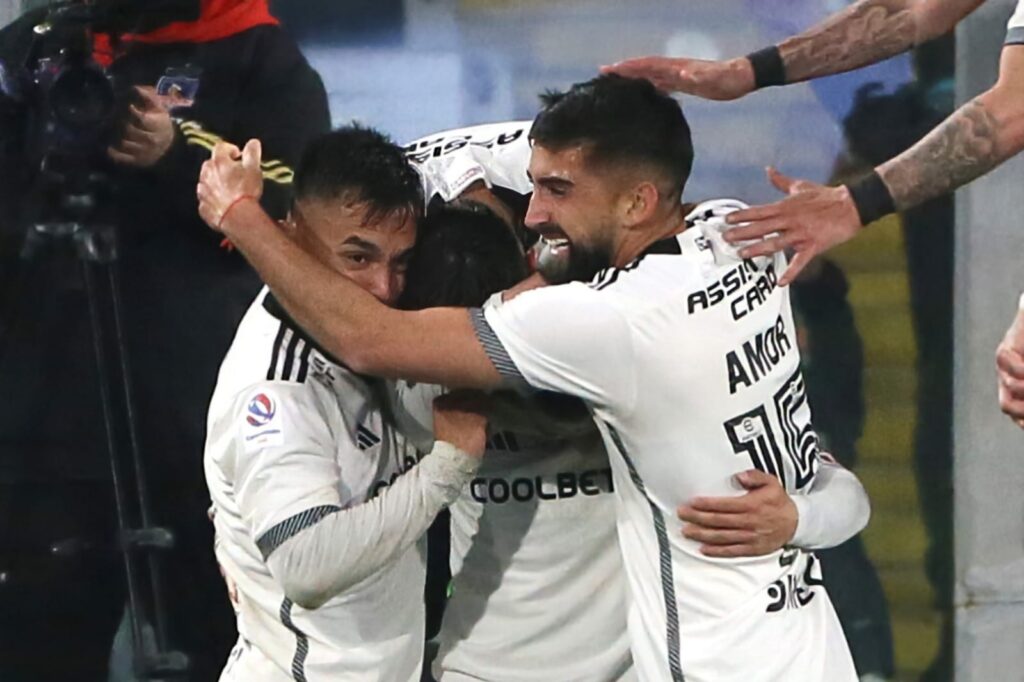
(187, 79)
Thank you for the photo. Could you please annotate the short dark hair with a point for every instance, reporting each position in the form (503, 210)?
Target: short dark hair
(464, 254)
(618, 120)
(362, 165)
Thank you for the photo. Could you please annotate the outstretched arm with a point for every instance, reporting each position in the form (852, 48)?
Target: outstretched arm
(866, 32)
(972, 141)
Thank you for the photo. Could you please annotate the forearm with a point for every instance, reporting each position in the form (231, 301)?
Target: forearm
(975, 139)
(326, 305)
(347, 546)
(836, 509)
(868, 32)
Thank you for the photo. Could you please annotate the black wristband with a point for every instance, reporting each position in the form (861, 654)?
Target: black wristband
(768, 67)
(872, 198)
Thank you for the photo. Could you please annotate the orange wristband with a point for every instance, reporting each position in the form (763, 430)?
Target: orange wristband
(231, 206)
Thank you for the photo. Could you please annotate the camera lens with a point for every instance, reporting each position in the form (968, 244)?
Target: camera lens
(82, 97)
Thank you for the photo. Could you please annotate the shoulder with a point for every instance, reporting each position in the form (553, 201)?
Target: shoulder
(555, 315)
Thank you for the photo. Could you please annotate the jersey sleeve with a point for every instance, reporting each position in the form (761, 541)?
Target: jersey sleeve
(1015, 29)
(567, 339)
(286, 475)
(413, 410)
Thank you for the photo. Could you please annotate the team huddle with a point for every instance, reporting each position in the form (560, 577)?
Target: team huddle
(523, 323)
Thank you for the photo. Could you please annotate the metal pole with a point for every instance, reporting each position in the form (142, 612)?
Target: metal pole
(988, 448)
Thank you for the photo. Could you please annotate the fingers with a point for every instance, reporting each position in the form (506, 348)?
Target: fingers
(118, 156)
(754, 214)
(719, 536)
(713, 519)
(758, 230)
(225, 152)
(251, 155)
(768, 246)
(732, 551)
(638, 67)
(1010, 361)
(781, 182)
(752, 479)
(138, 134)
(796, 266)
(725, 505)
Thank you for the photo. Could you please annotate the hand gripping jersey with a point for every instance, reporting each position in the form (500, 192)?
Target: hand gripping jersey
(294, 436)
(688, 360)
(538, 590)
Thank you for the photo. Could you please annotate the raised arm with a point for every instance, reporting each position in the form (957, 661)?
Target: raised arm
(437, 345)
(864, 33)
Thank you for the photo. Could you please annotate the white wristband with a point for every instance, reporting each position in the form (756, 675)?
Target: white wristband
(1020, 304)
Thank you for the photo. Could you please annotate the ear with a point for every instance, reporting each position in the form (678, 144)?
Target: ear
(640, 204)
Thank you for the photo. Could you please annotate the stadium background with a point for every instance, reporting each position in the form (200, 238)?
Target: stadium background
(411, 67)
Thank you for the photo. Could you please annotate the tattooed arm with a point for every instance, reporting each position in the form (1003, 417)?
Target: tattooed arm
(975, 139)
(866, 32)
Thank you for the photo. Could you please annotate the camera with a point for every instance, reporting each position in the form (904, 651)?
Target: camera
(63, 104)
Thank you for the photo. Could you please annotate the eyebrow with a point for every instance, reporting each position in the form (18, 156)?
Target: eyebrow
(362, 244)
(550, 181)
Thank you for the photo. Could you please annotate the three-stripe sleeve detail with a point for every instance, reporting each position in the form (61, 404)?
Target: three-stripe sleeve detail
(289, 360)
(493, 346)
(668, 589)
(291, 527)
(301, 642)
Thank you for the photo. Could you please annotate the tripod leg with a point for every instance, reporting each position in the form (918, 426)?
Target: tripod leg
(159, 611)
(106, 402)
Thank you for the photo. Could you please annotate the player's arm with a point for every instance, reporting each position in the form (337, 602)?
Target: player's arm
(975, 139)
(287, 490)
(437, 345)
(864, 33)
(766, 518)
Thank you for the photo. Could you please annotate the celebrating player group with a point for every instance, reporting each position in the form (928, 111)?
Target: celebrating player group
(527, 324)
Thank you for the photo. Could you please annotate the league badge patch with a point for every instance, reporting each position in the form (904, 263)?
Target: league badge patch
(261, 410)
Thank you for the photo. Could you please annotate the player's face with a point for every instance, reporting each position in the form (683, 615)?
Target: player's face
(374, 255)
(573, 208)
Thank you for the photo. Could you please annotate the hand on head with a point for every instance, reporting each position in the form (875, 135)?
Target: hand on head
(717, 80)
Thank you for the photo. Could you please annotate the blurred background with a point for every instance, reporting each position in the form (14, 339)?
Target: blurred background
(876, 318)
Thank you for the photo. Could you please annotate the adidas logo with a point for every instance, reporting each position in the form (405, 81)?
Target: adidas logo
(504, 441)
(365, 438)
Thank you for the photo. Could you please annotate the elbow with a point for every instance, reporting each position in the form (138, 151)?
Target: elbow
(304, 593)
(864, 510)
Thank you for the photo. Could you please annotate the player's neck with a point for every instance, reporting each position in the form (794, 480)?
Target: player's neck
(638, 239)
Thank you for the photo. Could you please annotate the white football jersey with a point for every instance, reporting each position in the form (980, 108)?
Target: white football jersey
(1015, 29)
(538, 590)
(688, 360)
(293, 436)
(496, 153)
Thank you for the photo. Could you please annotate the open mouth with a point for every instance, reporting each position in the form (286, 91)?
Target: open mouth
(555, 243)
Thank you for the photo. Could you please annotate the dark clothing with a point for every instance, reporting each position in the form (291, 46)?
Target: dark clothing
(183, 296)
